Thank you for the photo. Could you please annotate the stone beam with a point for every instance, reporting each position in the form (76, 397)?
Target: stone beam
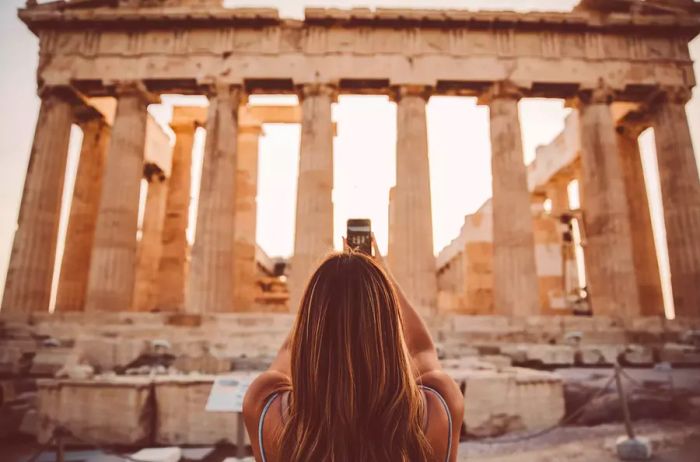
(457, 52)
(248, 116)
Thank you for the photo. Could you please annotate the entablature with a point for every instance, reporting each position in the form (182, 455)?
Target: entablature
(182, 49)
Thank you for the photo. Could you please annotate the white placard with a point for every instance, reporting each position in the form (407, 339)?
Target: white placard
(228, 391)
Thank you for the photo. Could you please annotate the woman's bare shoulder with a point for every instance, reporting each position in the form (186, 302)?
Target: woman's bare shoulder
(260, 390)
(263, 386)
(447, 388)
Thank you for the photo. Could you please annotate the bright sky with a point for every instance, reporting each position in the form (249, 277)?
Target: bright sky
(364, 148)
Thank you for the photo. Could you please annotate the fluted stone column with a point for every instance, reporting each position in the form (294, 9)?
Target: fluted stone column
(151, 244)
(30, 272)
(646, 263)
(72, 284)
(515, 283)
(172, 269)
(113, 261)
(211, 268)
(411, 254)
(608, 242)
(558, 192)
(680, 191)
(244, 267)
(313, 231)
(391, 220)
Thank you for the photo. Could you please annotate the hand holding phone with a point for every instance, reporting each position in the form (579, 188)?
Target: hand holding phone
(359, 235)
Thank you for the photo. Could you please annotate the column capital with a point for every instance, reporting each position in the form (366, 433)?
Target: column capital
(62, 92)
(672, 95)
(188, 118)
(256, 130)
(184, 126)
(152, 172)
(222, 90)
(400, 91)
(602, 94)
(86, 114)
(124, 88)
(631, 126)
(317, 89)
(504, 89)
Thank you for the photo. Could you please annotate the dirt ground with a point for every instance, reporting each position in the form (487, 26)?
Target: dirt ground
(672, 442)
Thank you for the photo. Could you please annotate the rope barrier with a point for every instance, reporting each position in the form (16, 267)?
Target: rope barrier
(631, 379)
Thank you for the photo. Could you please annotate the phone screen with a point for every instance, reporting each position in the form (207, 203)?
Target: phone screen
(359, 235)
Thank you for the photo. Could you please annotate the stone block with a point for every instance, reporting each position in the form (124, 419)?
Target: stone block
(76, 372)
(648, 324)
(637, 355)
(453, 349)
(10, 356)
(544, 355)
(597, 355)
(499, 361)
(158, 455)
(182, 418)
(488, 324)
(679, 355)
(105, 353)
(185, 320)
(513, 399)
(205, 363)
(48, 361)
(467, 363)
(114, 410)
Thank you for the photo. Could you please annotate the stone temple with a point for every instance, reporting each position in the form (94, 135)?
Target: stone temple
(506, 291)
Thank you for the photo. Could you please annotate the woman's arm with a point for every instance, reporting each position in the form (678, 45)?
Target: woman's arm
(283, 361)
(276, 378)
(418, 339)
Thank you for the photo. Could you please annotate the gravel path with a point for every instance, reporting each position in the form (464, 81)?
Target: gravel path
(589, 444)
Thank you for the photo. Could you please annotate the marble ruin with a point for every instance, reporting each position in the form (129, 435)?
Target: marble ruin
(505, 291)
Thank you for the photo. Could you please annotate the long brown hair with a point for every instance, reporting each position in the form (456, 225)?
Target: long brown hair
(354, 397)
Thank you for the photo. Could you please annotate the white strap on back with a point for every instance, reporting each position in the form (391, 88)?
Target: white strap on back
(262, 423)
(449, 419)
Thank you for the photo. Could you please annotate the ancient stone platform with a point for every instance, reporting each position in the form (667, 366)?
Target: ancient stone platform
(167, 364)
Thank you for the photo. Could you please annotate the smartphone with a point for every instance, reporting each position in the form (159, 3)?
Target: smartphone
(359, 235)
